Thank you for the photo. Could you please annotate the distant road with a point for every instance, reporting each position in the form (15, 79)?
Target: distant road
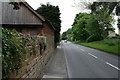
(84, 62)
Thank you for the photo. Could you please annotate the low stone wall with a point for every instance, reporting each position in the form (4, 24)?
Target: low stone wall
(35, 68)
(34, 64)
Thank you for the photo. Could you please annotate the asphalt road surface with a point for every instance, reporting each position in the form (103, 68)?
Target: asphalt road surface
(75, 61)
(84, 62)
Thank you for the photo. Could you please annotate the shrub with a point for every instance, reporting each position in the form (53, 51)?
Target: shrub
(92, 38)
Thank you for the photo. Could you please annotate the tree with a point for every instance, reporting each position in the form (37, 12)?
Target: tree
(102, 12)
(89, 28)
(79, 26)
(94, 29)
(95, 25)
(52, 13)
(108, 6)
(118, 23)
(69, 34)
(64, 36)
(118, 9)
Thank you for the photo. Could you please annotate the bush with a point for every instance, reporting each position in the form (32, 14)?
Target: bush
(118, 36)
(115, 37)
(110, 42)
(91, 38)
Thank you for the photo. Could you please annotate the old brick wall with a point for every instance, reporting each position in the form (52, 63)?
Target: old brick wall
(48, 32)
(45, 31)
(32, 31)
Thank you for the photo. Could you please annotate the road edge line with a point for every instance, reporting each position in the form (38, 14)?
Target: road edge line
(66, 63)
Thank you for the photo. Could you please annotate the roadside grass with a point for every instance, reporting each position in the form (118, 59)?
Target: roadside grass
(109, 45)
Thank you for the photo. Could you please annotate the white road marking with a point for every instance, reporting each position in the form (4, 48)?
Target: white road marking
(93, 55)
(82, 50)
(113, 66)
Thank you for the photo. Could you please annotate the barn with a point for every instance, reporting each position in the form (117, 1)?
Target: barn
(27, 21)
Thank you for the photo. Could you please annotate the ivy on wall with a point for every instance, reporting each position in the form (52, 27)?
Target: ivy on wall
(14, 47)
(12, 51)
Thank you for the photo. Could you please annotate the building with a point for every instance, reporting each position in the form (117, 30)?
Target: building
(111, 34)
(27, 21)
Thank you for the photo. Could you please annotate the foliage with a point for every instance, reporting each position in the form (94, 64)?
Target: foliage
(60, 37)
(108, 6)
(102, 13)
(79, 26)
(96, 25)
(14, 47)
(94, 29)
(16, 5)
(52, 13)
(118, 9)
(64, 36)
(11, 51)
(97, 8)
(85, 27)
(69, 35)
(91, 38)
(118, 23)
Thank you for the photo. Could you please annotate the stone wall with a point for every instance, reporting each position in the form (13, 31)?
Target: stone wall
(49, 42)
(48, 32)
(34, 65)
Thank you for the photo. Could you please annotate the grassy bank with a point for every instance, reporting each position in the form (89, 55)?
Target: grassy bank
(109, 45)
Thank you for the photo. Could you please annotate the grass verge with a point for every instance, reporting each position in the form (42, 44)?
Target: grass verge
(109, 45)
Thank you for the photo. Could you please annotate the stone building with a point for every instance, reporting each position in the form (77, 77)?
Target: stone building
(28, 21)
(111, 34)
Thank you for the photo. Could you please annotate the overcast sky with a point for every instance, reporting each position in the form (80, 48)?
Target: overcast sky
(68, 12)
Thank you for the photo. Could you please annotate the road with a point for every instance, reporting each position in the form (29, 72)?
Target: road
(76, 61)
(84, 62)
